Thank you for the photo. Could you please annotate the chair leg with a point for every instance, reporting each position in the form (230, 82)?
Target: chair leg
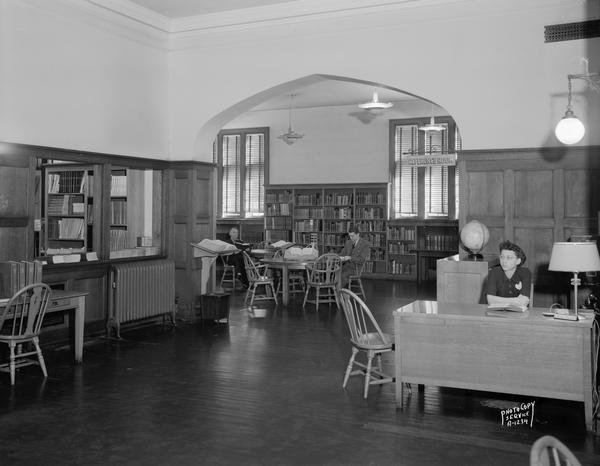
(305, 296)
(349, 368)
(317, 297)
(12, 364)
(274, 293)
(379, 366)
(40, 356)
(368, 373)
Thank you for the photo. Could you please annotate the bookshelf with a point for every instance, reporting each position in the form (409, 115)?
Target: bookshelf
(414, 246)
(338, 213)
(308, 217)
(279, 207)
(66, 209)
(370, 212)
(118, 211)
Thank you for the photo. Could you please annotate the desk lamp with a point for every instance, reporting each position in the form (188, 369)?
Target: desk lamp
(575, 258)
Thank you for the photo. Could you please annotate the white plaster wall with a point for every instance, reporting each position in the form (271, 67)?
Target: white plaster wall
(484, 61)
(72, 80)
(337, 146)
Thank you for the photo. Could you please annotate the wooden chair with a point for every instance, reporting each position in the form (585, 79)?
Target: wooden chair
(257, 277)
(228, 277)
(323, 277)
(548, 450)
(366, 336)
(20, 324)
(296, 281)
(355, 281)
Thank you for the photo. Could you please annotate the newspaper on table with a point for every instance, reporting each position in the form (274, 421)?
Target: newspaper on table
(213, 247)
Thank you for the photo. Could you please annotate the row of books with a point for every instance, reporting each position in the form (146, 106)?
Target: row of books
(279, 197)
(370, 198)
(307, 225)
(14, 275)
(370, 212)
(118, 185)
(435, 242)
(402, 233)
(67, 204)
(338, 212)
(277, 209)
(315, 212)
(67, 182)
(278, 223)
(401, 248)
(66, 228)
(338, 227)
(118, 212)
(367, 226)
(376, 240)
(338, 199)
(118, 240)
(398, 268)
(308, 199)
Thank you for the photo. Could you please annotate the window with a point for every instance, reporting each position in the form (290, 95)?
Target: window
(424, 192)
(242, 158)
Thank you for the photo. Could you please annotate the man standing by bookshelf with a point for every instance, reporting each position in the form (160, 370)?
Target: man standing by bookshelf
(353, 255)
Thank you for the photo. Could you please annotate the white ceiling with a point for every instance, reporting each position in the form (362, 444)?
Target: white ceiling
(184, 8)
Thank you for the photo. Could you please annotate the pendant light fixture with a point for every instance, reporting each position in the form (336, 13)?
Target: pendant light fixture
(432, 126)
(375, 105)
(569, 130)
(291, 136)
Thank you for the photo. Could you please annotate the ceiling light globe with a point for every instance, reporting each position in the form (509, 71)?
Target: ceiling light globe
(570, 129)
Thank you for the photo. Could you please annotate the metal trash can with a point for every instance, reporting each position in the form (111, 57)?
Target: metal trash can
(215, 307)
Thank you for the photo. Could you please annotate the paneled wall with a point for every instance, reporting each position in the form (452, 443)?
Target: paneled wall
(532, 197)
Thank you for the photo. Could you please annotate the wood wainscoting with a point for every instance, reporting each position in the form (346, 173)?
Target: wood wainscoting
(533, 197)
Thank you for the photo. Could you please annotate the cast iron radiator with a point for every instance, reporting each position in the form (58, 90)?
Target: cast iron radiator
(140, 290)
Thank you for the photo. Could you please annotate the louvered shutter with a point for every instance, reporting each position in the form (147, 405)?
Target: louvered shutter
(231, 175)
(405, 177)
(436, 178)
(255, 173)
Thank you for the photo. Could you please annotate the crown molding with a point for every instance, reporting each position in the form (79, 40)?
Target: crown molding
(135, 12)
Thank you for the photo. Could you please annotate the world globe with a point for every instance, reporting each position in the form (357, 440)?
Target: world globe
(474, 237)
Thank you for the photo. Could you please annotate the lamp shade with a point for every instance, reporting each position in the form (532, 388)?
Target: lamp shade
(574, 257)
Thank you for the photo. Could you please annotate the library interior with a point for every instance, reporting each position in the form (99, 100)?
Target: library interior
(385, 251)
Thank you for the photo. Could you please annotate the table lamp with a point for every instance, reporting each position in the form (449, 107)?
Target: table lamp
(575, 258)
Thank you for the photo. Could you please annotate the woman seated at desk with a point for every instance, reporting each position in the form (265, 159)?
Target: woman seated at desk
(509, 282)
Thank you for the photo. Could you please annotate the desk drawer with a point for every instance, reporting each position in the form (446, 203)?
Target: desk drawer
(59, 304)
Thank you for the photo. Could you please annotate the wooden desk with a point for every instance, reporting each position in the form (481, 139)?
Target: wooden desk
(61, 301)
(457, 345)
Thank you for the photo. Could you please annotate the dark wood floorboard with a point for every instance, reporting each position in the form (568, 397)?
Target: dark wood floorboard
(258, 392)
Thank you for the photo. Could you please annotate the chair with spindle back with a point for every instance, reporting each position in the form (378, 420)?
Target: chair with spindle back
(549, 451)
(20, 323)
(323, 277)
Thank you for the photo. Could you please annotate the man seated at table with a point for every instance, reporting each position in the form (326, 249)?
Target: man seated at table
(237, 259)
(353, 255)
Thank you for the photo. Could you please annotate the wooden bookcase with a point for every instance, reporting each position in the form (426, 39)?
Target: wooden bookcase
(279, 207)
(308, 217)
(67, 206)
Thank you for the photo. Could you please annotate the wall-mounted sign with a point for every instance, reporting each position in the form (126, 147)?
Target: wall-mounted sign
(429, 160)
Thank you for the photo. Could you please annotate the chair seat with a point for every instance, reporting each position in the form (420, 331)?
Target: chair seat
(374, 341)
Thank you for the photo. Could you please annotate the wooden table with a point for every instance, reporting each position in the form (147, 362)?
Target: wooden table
(74, 301)
(285, 266)
(457, 345)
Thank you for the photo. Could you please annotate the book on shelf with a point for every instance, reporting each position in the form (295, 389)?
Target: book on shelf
(511, 307)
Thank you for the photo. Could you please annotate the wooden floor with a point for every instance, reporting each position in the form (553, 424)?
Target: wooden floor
(259, 391)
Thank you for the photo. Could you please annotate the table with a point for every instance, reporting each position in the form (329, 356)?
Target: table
(70, 300)
(285, 266)
(459, 346)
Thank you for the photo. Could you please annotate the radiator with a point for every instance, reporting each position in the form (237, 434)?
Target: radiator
(139, 290)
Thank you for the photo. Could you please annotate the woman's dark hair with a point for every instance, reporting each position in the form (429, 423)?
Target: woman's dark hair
(508, 246)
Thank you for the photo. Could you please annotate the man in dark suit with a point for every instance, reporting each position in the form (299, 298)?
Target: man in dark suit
(237, 259)
(353, 255)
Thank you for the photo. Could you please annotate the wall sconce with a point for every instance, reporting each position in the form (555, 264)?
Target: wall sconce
(570, 130)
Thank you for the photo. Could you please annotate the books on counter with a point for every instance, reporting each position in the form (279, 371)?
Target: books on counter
(512, 307)
(14, 275)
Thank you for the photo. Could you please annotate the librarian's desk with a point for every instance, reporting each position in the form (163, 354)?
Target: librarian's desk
(459, 346)
(73, 301)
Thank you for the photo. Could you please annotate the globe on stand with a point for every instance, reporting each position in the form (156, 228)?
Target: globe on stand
(474, 237)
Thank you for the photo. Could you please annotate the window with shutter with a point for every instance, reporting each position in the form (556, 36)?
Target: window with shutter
(424, 192)
(242, 156)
